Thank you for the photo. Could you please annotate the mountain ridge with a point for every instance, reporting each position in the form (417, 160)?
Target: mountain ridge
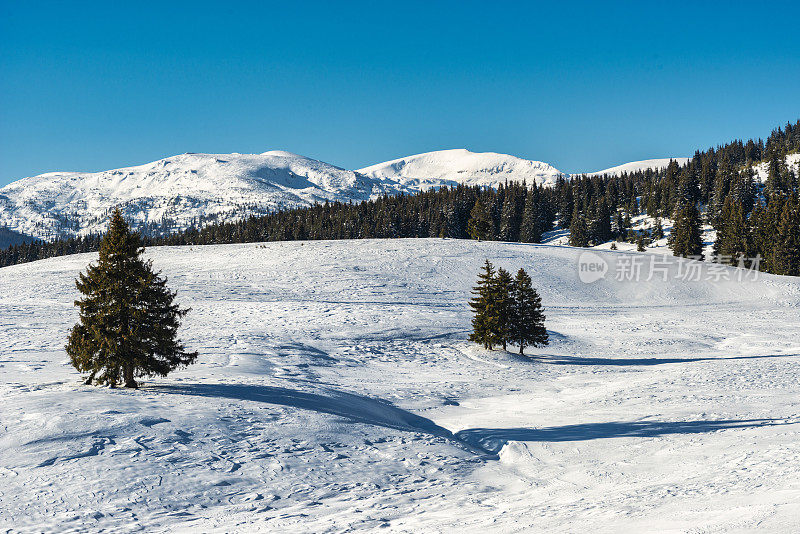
(193, 189)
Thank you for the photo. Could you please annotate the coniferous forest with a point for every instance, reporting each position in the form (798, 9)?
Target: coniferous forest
(717, 187)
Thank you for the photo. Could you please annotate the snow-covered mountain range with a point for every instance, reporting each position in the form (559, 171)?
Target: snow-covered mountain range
(193, 189)
(177, 191)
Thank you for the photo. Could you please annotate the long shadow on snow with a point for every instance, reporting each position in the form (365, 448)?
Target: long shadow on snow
(580, 360)
(492, 439)
(356, 408)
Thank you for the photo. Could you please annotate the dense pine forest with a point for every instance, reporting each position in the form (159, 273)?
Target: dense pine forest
(716, 187)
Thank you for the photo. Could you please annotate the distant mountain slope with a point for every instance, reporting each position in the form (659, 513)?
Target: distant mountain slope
(178, 191)
(459, 166)
(642, 165)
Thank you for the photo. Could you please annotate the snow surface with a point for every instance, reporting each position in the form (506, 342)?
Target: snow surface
(335, 391)
(643, 165)
(460, 166)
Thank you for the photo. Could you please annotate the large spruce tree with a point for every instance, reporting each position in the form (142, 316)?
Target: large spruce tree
(527, 319)
(128, 317)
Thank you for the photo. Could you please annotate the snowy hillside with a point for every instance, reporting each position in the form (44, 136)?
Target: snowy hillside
(177, 191)
(634, 166)
(459, 166)
(335, 391)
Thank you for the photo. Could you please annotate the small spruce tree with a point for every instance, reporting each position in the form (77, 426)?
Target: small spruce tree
(128, 318)
(527, 326)
(485, 323)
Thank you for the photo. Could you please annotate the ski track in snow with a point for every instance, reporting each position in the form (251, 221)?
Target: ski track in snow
(335, 391)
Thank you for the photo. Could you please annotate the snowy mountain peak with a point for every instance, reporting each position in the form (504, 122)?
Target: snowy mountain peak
(460, 166)
(635, 166)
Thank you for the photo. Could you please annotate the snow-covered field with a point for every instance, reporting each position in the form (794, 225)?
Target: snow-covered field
(335, 391)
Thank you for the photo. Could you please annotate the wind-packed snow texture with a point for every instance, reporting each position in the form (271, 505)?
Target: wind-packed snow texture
(335, 391)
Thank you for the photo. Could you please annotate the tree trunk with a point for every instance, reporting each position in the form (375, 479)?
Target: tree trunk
(88, 381)
(520, 349)
(128, 375)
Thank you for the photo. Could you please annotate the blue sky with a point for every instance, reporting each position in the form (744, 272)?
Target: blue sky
(93, 86)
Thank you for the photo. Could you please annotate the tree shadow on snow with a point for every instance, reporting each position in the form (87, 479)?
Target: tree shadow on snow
(356, 408)
(580, 360)
(493, 439)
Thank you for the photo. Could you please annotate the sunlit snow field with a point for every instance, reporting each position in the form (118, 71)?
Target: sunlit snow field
(335, 391)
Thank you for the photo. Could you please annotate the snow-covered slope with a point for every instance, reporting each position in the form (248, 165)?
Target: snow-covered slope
(643, 165)
(177, 191)
(335, 391)
(459, 166)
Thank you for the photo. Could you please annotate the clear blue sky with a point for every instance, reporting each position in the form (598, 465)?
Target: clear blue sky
(92, 86)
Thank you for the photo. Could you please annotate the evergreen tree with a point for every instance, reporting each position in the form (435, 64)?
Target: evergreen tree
(601, 224)
(527, 325)
(530, 227)
(480, 223)
(686, 239)
(640, 243)
(733, 235)
(578, 230)
(509, 219)
(128, 317)
(486, 322)
(658, 231)
(777, 175)
(787, 250)
(505, 305)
